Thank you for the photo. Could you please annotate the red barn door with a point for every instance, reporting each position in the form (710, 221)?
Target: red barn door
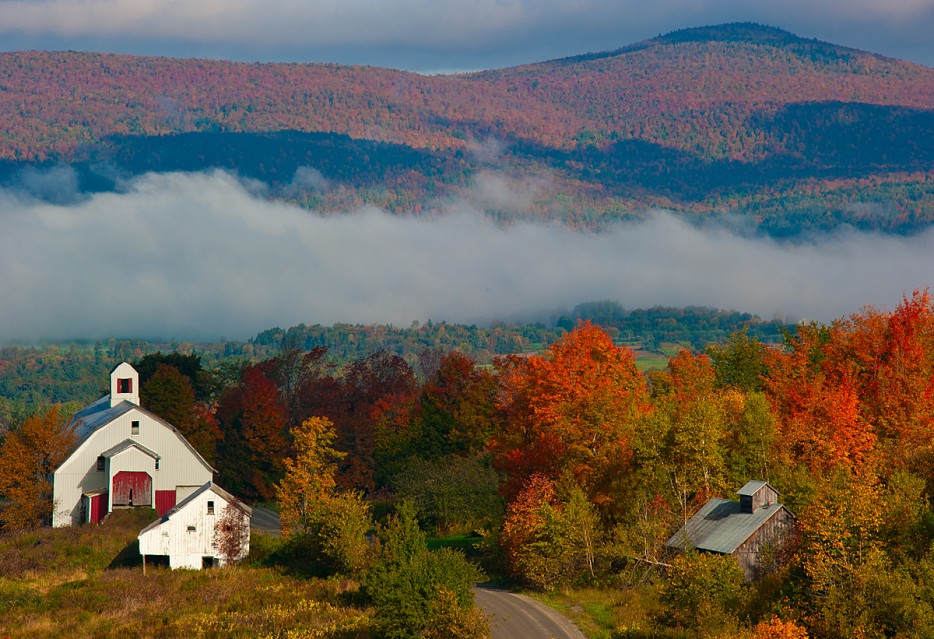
(132, 489)
(98, 508)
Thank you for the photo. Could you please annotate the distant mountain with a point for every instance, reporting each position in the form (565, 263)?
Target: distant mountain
(740, 117)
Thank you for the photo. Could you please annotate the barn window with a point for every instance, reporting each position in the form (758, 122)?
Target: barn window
(210, 507)
(191, 529)
(125, 385)
(134, 427)
(157, 464)
(101, 462)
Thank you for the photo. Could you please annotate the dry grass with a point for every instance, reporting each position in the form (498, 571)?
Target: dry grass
(613, 613)
(61, 583)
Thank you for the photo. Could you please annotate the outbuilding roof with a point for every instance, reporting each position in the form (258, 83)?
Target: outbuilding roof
(754, 486)
(721, 527)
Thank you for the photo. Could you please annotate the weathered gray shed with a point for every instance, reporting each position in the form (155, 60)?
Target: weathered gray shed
(740, 528)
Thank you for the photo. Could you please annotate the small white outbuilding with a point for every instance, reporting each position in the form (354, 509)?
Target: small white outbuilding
(208, 528)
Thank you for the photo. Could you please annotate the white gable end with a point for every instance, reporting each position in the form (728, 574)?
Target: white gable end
(156, 448)
(188, 534)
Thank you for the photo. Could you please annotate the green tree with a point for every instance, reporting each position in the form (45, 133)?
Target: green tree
(551, 535)
(169, 394)
(453, 494)
(413, 589)
(740, 362)
(702, 591)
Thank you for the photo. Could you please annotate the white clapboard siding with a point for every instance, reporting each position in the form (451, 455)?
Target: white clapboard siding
(187, 533)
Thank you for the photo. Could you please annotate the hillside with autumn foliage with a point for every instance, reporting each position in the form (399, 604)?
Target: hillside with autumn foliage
(743, 118)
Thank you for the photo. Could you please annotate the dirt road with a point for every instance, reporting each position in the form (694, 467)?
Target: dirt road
(517, 617)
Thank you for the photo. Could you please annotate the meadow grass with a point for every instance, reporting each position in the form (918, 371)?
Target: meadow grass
(66, 583)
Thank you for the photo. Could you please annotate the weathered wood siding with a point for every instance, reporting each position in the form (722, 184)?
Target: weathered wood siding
(772, 533)
(762, 497)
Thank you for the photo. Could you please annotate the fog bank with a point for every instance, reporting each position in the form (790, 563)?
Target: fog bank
(198, 256)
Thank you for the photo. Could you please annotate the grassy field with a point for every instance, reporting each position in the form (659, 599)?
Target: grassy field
(88, 581)
(657, 360)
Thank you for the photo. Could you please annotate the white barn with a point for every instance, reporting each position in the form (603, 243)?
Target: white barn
(125, 456)
(191, 534)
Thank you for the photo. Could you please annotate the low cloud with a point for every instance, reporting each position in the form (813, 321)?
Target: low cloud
(306, 181)
(57, 184)
(195, 256)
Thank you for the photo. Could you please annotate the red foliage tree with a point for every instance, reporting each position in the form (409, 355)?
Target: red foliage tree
(254, 421)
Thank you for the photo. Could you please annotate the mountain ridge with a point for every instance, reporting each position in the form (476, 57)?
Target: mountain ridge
(749, 97)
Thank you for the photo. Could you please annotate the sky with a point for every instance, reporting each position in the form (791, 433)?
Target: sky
(200, 256)
(432, 36)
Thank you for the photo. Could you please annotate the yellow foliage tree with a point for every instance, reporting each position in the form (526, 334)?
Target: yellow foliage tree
(309, 476)
(310, 504)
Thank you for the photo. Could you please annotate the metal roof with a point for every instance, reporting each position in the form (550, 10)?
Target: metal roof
(97, 415)
(89, 419)
(720, 526)
(752, 487)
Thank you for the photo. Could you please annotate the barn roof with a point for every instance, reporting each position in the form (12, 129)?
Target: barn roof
(209, 486)
(129, 443)
(89, 419)
(721, 527)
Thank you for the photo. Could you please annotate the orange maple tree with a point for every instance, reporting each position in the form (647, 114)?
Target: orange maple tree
(572, 410)
(859, 390)
(28, 457)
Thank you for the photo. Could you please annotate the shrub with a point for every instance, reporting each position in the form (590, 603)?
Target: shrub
(703, 590)
(406, 582)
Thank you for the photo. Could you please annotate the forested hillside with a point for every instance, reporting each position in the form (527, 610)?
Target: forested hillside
(740, 116)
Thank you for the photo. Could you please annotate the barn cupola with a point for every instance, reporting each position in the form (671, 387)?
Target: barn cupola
(124, 385)
(756, 494)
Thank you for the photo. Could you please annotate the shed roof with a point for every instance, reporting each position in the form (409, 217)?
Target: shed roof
(721, 527)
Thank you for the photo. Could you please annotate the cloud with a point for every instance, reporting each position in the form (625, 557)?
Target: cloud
(307, 180)
(57, 184)
(494, 192)
(441, 34)
(194, 256)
